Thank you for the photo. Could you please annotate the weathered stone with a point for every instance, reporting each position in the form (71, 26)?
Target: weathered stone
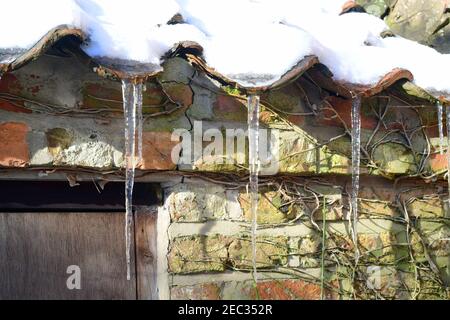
(168, 122)
(190, 203)
(373, 208)
(417, 93)
(204, 98)
(394, 159)
(426, 208)
(224, 148)
(273, 208)
(374, 248)
(374, 7)
(270, 208)
(285, 99)
(85, 150)
(192, 254)
(204, 291)
(297, 153)
(332, 195)
(421, 21)
(381, 281)
(233, 208)
(308, 250)
(430, 288)
(378, 247)
(177, 70)
(270, 251)
(328, 161)
(13, 144)
(310, 244)
(417, 247)
(435, 236)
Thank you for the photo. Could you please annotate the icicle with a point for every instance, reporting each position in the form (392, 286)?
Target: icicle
(132, 104)
(129, 111)
(253, 138)
(137, 93)
(441, 128)
(356, 160)
(447, 112)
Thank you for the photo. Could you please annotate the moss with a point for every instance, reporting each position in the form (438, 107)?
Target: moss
(192, 254)
(58, 139)
(429, 208)
(394, 159)
(231, 90)
(270, 208)
(413, 93)
(270, 251)
(282, 101)
(332, 162)
(418, 92)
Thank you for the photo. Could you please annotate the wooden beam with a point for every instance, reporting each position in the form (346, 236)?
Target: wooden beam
(145, 239)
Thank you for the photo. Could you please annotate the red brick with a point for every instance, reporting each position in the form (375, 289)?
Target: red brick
(288, 290)
(229, 108)
(179, 93)
(13, 107)
(10, 84)
(438, 162)
(13, 144)
(156, 151)
(343, 108)
(104, 94)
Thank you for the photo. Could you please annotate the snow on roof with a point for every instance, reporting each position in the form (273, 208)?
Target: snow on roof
(252, 42)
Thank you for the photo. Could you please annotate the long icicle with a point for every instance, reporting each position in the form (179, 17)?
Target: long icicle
(253, 138)
(447, 112)
(356, 160)
(130, 133)
(137, 95)
(440, 113)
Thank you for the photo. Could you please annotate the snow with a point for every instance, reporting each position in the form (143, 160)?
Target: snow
(251, 41)
(23, 23)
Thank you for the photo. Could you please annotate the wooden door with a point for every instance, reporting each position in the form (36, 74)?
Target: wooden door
(40, 250)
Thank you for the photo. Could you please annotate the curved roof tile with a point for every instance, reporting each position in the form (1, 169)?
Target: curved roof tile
(71, 39)
(22, 57)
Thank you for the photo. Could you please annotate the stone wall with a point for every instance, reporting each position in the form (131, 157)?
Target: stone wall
(402, 240)
(59, 118)
(79, 124)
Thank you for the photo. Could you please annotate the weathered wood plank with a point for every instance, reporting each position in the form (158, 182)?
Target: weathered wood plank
(145, 226)
(37, 248)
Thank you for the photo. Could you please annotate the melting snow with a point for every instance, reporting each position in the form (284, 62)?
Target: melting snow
(252, 41)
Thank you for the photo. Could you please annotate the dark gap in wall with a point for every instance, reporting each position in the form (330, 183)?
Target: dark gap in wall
(39, 196)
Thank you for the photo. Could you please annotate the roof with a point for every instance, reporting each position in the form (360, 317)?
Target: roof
(65, 39)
